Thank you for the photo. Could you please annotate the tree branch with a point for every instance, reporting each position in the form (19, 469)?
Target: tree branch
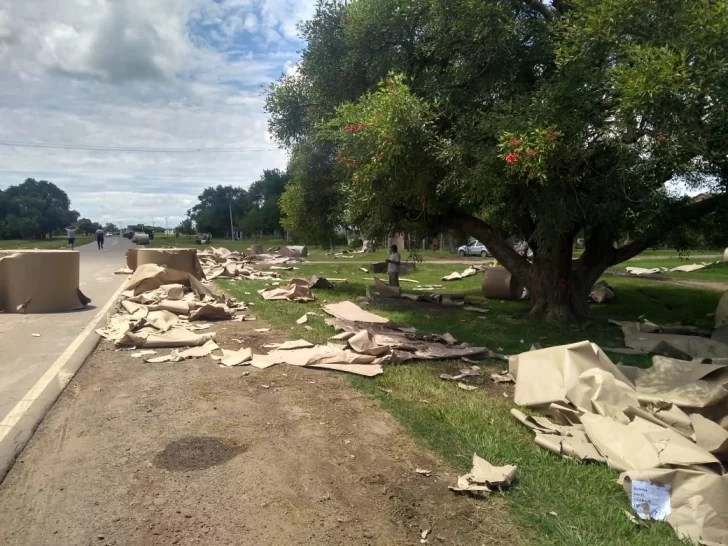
(497, 245)
(542, 8)
(672, 222)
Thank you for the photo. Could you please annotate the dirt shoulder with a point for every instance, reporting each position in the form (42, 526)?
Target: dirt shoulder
(192, 453)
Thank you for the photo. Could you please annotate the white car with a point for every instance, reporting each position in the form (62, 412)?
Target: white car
(473, 248)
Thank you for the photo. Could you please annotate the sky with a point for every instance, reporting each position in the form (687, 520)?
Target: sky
(142, 77)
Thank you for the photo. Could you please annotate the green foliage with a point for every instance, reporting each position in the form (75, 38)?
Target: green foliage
(212, 213)
(546, 120)
(185, 227)
(264, 215)
(34, 209)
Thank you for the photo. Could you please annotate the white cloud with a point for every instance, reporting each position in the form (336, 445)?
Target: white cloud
(139, 74)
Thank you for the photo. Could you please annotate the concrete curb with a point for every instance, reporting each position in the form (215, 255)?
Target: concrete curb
(18, 427)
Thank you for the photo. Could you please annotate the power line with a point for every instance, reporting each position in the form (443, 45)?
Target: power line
(133, 148)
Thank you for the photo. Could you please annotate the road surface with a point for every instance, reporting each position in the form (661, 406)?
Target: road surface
(33, 370)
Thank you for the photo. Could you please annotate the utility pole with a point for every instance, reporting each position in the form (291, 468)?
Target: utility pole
(230, 209)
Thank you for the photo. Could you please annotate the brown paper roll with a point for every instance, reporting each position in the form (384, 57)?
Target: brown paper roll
(181, 259)
(498, 283)
(40, 281)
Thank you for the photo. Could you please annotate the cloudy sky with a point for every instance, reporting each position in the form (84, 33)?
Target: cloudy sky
(141, 77)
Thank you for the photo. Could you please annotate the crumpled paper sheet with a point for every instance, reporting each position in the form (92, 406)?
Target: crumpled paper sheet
(639, 271)
(149, 277)
(178, 356)
(691, 268)
(469, 272)
(350, 311)
(602, 292)
(392, 344)
(485, 478)
(234, 358)
(297, 292)
(614, 421)
(698, 507)
(385, 290)
(673, 341)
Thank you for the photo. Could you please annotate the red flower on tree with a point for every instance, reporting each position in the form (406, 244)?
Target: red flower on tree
(512, 158)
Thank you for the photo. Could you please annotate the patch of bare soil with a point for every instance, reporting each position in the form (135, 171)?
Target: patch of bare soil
(192, 453)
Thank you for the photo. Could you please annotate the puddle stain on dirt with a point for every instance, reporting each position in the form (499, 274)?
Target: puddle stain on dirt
(197, 453)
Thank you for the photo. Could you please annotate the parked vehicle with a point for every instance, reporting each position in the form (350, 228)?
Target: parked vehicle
(473, 248)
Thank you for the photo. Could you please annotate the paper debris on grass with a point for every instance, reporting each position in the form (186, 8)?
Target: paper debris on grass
(602, 292)
(295, 291)
(302, 320)
(502, 378)
(423, 472)
(387, 291)
(690, 268)
(467, 387)
(639, 271)
(261, 330)
(485, 478)
(347, 310)
(476, 309)
(364, 269)
(660, 427)
(180, 355)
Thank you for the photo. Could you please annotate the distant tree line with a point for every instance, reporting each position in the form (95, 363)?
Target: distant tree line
(254, 212)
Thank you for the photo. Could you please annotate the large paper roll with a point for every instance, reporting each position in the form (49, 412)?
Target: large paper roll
(40, 281)
(498, 283)
(295, 251)
(181, 259)
(141, 239)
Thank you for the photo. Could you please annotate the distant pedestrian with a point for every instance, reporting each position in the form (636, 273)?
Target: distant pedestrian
(393, 266)
(100, 238)
(71, 232)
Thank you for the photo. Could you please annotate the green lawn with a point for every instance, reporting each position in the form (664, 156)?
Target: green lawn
(315, 253)
(44, 244)
(455, 423)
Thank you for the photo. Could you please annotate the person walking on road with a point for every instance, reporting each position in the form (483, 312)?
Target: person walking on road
(71, 232)
(100, 238)
(393, 266)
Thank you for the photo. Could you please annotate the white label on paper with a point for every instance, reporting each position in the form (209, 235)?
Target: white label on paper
(650, 500)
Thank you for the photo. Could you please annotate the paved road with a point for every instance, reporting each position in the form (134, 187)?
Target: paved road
(35, 369)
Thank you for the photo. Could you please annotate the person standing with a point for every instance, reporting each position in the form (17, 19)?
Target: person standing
(100, 238)
(71, 233)
(393, 266)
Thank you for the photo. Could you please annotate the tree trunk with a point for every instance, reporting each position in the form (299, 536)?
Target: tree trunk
(558, 288)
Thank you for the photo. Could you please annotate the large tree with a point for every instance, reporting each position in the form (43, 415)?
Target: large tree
(216, 206)
(264, 214)
(546, 121)
(34, 209)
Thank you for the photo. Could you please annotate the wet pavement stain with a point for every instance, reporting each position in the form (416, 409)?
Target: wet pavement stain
(197, 453)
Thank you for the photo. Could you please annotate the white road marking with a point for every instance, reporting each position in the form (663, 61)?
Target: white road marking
(17, 413)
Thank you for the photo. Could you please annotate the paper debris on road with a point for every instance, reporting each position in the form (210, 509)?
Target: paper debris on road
(123, 271)
(234, 358)
(35, 335)
(142, 354)
(262, 330)
(485, 478)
